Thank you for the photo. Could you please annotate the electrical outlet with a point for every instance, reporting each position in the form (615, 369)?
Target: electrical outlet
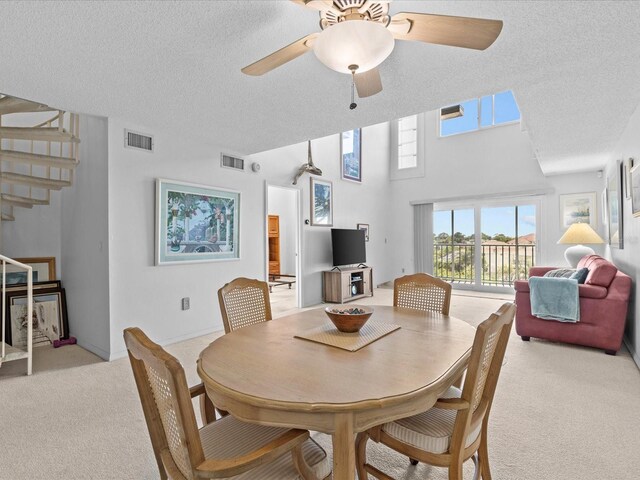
(186, 303)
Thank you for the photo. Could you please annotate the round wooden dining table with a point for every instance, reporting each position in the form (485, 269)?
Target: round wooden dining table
(264, 374)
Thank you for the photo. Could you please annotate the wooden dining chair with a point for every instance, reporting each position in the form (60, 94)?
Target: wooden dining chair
(244, 302)
(223, 448)
(455, 429)
(421, 291)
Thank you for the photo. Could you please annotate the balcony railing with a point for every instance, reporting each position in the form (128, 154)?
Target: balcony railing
(501, 264)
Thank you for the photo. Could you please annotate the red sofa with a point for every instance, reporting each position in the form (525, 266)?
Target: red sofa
(604, 298)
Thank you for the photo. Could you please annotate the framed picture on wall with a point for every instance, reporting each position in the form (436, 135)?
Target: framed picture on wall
(614, 206)
(350, 155)
(365, 227)
(578, 208)
(321, 202)
(635, 190)
(196, 223)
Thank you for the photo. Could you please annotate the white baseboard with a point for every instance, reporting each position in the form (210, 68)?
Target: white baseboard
(634, 354)
(103, 354)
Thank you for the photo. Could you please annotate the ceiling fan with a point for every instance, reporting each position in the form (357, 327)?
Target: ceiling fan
(358, 35)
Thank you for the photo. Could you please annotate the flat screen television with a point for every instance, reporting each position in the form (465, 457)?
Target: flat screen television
(348, 246)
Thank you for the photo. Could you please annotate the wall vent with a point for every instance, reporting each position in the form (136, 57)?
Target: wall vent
(140, 141)
(453, 111)
(227, 161)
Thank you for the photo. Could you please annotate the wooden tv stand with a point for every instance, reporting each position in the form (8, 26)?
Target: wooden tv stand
(347, 284)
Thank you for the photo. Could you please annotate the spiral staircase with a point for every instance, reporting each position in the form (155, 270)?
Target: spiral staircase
(34, 158)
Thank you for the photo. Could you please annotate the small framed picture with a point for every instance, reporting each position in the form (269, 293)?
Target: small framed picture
(365, 227)
(614, 207)
(627, 165)
(350, 155)
(635, 190)
(578, 208)
(321, 202)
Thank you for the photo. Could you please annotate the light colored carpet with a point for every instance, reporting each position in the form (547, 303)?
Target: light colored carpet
(560, 412)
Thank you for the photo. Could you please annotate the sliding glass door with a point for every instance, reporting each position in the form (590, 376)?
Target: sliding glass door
(488, 246)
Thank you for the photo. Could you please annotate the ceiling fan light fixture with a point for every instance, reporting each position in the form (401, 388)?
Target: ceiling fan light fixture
(354, 42)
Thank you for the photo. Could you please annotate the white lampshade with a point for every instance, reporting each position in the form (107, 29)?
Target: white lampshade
(579, 233)
(354, 42)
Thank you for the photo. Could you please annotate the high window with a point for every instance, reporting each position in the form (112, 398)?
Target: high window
(488, 111)
(408, 142)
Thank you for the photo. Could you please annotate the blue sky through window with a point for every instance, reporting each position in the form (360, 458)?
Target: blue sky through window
(495, 220)
(494, 110)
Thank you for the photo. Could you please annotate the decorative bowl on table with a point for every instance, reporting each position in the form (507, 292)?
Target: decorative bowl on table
(349, 319)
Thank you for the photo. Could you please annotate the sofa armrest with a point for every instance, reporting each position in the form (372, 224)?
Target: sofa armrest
(521, 286)
(540, 271)
(592, 291)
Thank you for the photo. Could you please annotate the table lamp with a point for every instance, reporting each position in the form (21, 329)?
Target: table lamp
(579, 233)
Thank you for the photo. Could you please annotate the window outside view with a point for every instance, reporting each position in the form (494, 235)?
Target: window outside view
(507, 246)
(488, 111)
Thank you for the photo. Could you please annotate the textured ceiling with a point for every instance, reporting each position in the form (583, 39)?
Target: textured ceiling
(573, 66)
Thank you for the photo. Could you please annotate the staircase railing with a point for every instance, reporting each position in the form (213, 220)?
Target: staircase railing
(9, 352)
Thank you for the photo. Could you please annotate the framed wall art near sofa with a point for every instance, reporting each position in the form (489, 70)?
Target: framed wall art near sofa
(614, 206)
(634, 184)
(578, 208)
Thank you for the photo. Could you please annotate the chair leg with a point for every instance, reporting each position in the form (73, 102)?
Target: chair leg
(610, 352)
(361, 454)
(413, 461)
(483, 456)
(455, 469)
(476, 466)
(301, 464)
(525, 338)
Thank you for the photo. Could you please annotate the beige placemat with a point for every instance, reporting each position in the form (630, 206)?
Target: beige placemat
(330, 335)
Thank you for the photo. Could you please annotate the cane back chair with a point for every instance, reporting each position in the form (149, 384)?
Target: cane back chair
(455, 429)
(244, 302)
(223, 448)
(421, 291)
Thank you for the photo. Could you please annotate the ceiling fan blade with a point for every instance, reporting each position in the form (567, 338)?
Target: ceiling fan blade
(465, 32)
(280, 57)
(321, 5)
(368, 83)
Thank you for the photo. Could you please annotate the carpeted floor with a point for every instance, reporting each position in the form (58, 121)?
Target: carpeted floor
(560, 412)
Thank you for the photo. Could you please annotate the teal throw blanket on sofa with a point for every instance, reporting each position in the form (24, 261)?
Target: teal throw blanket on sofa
(555, 298)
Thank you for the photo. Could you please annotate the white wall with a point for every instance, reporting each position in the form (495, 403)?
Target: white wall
(628, 259)
(85, 241)
(282, 202)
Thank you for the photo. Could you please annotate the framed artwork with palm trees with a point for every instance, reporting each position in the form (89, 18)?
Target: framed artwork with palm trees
(321, 202)
(195, 223)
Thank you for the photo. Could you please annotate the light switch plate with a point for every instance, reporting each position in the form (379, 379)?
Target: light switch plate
(186, 303)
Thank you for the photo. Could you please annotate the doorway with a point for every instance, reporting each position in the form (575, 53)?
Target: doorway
(282, 248)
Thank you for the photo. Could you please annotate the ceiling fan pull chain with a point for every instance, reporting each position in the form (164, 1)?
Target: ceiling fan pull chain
(353, 104)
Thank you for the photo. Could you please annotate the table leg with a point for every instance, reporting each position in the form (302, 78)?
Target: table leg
(344, 452)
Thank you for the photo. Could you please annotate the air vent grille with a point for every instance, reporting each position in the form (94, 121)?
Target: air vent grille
(228, 161)
(138, 140)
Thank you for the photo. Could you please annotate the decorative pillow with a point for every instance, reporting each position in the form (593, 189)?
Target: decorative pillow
(561, 272)
(580, 275)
